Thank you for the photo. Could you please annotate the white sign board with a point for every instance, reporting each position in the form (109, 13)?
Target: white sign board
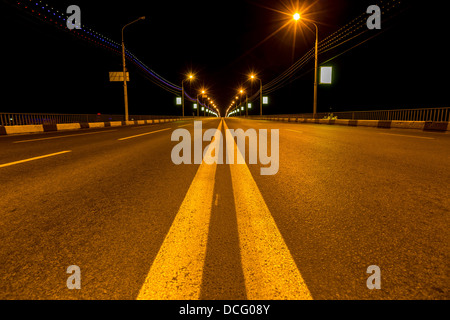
(178, 101)
(326, 75)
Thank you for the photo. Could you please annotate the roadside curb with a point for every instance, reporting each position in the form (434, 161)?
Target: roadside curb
(10, 130)
(418, 125)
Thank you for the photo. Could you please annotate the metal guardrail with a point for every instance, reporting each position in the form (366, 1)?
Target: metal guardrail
(14, 119)
(428, 114)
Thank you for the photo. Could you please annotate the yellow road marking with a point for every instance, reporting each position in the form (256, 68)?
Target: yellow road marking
(31, 159)
(184, 125)
(269, 270)
(143, 134)
(404, 135)
(64, 136)
(176, 272)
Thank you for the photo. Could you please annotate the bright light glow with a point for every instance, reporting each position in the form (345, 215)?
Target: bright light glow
(179, 101)
(297, 16)
(249, 105)
(265, 100)
(326, 75)
(195, 106)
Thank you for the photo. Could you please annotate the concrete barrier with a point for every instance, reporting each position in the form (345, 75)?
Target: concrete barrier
(7, 130)
(418, 125)
(96, 124)
(116, 123)
(68, 126)
(24, 129)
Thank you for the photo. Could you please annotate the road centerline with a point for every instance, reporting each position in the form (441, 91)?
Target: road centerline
(34, 158)
(269, 269)
(294, 131)
(408, 136)
(142, 134)
(177, 271)
(64, 136)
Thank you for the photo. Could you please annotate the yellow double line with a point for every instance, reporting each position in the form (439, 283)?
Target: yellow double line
(176, 273)
(269, 270)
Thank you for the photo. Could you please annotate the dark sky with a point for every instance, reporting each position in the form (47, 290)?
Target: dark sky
(49, 70)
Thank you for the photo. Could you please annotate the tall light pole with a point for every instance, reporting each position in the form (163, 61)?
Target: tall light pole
(241, 92)
(260, 93)
(198, 101)
(125, 89)
(316, 63)
(190, 77)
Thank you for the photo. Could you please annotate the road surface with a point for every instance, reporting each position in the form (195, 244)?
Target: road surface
(112, 202)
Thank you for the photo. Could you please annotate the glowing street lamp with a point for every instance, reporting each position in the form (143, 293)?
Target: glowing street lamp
(241, 91)
(253, 77)
(297, 17)
(203, 92)
(189, 78)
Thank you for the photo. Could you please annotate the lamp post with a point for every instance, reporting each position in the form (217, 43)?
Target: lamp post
(260, 92)
(198, 101)
(190, 77)
(125, 89)
(297, 17)
(241, 91)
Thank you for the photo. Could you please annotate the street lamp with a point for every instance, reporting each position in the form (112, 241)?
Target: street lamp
(297, 17)
(252, 77)
(190, 77)
(241, 92)
(125, 90)
(203, 94)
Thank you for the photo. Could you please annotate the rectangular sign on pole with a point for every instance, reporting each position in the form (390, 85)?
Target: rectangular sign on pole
(178, 101)
(118, 76)
(326, 75)
(195, 106)
(265, 100)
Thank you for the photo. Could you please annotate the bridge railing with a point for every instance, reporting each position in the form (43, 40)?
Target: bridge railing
(425, 114)
(11, 119)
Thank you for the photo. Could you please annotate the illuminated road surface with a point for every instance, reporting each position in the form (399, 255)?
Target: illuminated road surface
(140, 227)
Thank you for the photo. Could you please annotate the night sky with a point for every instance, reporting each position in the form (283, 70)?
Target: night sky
(47, 69)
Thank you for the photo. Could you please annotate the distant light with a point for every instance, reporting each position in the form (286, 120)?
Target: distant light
(249, 105)
(265, 100)
(297, 16)
(195, 106)
(178, 102)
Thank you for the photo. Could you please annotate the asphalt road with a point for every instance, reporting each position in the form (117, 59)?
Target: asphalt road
(112, 202)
